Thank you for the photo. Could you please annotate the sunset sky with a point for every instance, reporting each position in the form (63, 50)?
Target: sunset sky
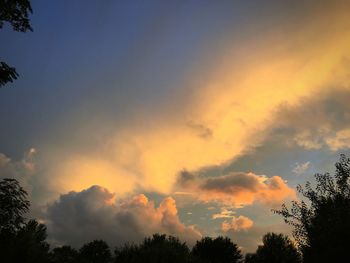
(190, 118)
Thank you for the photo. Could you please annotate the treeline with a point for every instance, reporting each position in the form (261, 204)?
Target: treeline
(321, 229)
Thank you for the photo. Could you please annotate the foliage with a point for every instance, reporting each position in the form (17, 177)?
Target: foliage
(7, 73)
(321, 224)
(218, 250)
(13, 205)
(64, 254)
(158, 248)
(26, 245)
(16, 13)
(276, 248)
(96, 251)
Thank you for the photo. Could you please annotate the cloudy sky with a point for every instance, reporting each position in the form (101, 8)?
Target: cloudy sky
(191, 118)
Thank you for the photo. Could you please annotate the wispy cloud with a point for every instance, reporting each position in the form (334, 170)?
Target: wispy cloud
(300, 168)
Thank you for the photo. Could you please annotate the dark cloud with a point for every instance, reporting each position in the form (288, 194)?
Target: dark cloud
(78, 217)
(316, 122)
(232, 183)
(236, 188)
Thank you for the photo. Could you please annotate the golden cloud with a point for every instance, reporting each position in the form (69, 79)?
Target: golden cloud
(229, 110)
(237, 224)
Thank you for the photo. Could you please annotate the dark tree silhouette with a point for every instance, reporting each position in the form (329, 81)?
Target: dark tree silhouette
(96, 251)
(16, 13)
(128, 253)
(30, 245)
(20, 241)
(64, 254)
(13, 205)
(321, 224)
(276, 248)
(250, 258)
(158, 248)
(218, 250)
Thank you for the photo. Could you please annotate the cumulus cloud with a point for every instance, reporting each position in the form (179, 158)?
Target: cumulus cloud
(237, 189)
(78, 217)
(237, 224)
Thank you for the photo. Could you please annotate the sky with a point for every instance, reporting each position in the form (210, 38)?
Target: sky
(190, 118)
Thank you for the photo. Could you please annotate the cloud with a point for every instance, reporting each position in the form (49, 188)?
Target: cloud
(237, 224)
(224, 213)
(300, 168)
(230, 108)
(237, 189)
(94, 213)
(21, 170)
(316, 122)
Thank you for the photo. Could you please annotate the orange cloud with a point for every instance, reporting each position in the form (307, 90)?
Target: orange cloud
(237, 189)
(237, 224)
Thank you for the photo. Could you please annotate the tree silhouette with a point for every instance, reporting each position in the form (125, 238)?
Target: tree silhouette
(16, 13)
(20, 241)
(30, 245)
(13, 205)
(128, 253)
(250, 258)
(321, 224)
(276, 248)
(158, 248)
(96, 251)
(218, 250)
(64, 254)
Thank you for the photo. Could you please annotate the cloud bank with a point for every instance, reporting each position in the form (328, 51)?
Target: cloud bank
(94, 213)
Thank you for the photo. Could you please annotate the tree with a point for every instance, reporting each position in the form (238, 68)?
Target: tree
(250, 258)
(30, 244)
(96, 251)
(16, 13)
(64, 254)
(276, 248)
(13, 205)
(218, 250)
(158, 248)
(20, 241)
(128, 253)
(321, 223)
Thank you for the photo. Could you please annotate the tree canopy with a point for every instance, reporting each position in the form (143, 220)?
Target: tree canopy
(158, 248)
(321, 221)
(276, 248)
(16, 13)
(217, 250)
(13, 205)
